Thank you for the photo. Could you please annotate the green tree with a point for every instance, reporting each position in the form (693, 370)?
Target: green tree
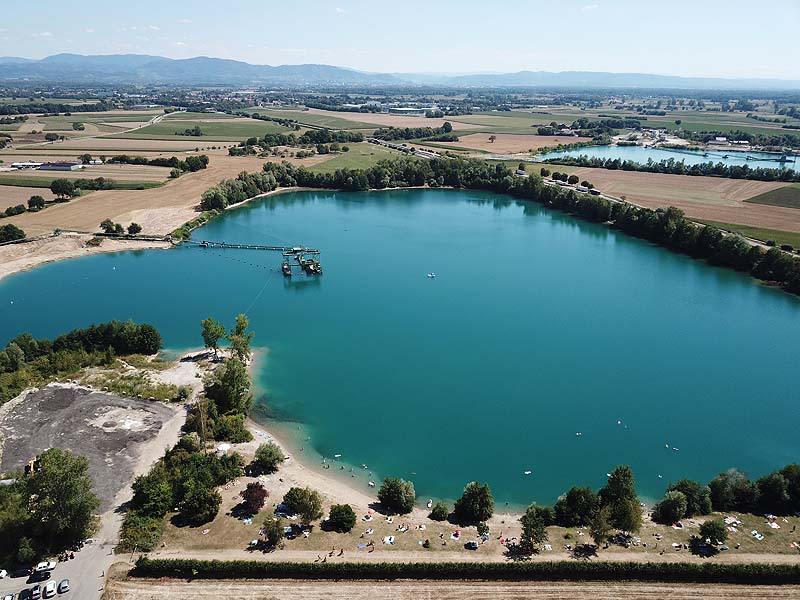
(273, 531)
(600, 526)
(63, 188)
(36, 203)
(572, 179)
(253, 497)
(61, 497)
(212, 332)
(240, 338)
(26, 553)
(229, 387)
(341, 518)
(200, 503)
(715, 531)
(576, 507)
(305, 502)
(268, 457)
(439, 511)
(619, 494)
(152, 493)
(134, 228)
(698, 497)
(107, 225)
(10, 232)
(732, 490)
(447, 127)
(476, 504)
(671, 509)
(50, 137)
(85, 158)
(397, 495)
(533, 529)
(773, 493)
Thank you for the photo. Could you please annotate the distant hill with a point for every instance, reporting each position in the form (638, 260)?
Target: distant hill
(141, 68)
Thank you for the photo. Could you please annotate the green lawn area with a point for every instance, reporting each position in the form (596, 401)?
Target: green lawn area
(361, 156)
(788, 197)
(44, 182)
(45, 100)
(221, 130)
(309, 118)
(779, 237)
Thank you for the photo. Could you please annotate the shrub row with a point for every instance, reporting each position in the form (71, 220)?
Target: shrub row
(753, 573)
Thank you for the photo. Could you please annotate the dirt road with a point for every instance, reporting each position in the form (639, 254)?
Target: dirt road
(432, 590)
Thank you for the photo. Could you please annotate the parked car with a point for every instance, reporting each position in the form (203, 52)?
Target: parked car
(36, 592)
(38, 576)
(8, 597)
(63, 586)
(47, 565)
(50, 590)
(471, 545)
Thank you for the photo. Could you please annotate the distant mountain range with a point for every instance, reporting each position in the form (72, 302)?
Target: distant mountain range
(141, 68)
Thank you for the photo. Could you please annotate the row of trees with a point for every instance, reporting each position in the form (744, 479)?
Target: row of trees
(47, 511)
(110, 227)
(777, 493)
(233, 191)
(26, 360)
(679, 167)
(190, 164)
(669, 227)
(412, 133)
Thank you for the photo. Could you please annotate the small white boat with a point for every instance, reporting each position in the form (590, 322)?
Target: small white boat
(371, 484)
(431, 275)
(430, 503)
(337, 456)
(527, 472)
(579, 433)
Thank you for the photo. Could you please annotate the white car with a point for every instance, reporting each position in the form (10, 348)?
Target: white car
(8, 597)
(49, 590)
(63, 587)
(47, 565)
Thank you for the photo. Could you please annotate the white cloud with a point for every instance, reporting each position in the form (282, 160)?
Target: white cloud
(88, 30)
(154, 28)
(589, 7)
(185, 21)
(181, 44)
(339, 11)
(3, 30)
(42, 34)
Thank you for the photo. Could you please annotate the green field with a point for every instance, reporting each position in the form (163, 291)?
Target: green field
(10, 127)
(305, 117)
(44, 182)
(189, 116)
(788, 197)
(779, 237)
(45, 100)
(223, 130)
(361, 156)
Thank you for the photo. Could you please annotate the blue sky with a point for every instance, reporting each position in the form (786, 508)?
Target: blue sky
(732, 38)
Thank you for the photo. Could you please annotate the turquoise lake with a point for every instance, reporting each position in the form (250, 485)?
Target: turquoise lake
(641, 154)
(537, 327)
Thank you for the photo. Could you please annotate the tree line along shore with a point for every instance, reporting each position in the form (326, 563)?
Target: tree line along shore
(184, 482)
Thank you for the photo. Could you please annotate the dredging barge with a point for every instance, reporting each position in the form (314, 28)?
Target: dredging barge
(301, 257)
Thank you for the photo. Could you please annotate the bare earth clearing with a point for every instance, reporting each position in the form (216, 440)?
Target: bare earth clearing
(512, 142)
(159, 211)
(137, 589)
(711, 198)
(11, 195)
(387, 120)
(22, 257)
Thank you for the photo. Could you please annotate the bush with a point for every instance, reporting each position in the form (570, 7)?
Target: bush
(273, 531)
(140, 533)
(10, 233)
(268, 457)
(200, 504)
(671, 509)
(439, 512)
(342, 518)
(476, 504)
(397, 495)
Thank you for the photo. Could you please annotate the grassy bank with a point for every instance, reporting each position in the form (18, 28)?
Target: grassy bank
(758, 233)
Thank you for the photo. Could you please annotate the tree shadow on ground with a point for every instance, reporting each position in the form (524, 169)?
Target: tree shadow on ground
(584, 551)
